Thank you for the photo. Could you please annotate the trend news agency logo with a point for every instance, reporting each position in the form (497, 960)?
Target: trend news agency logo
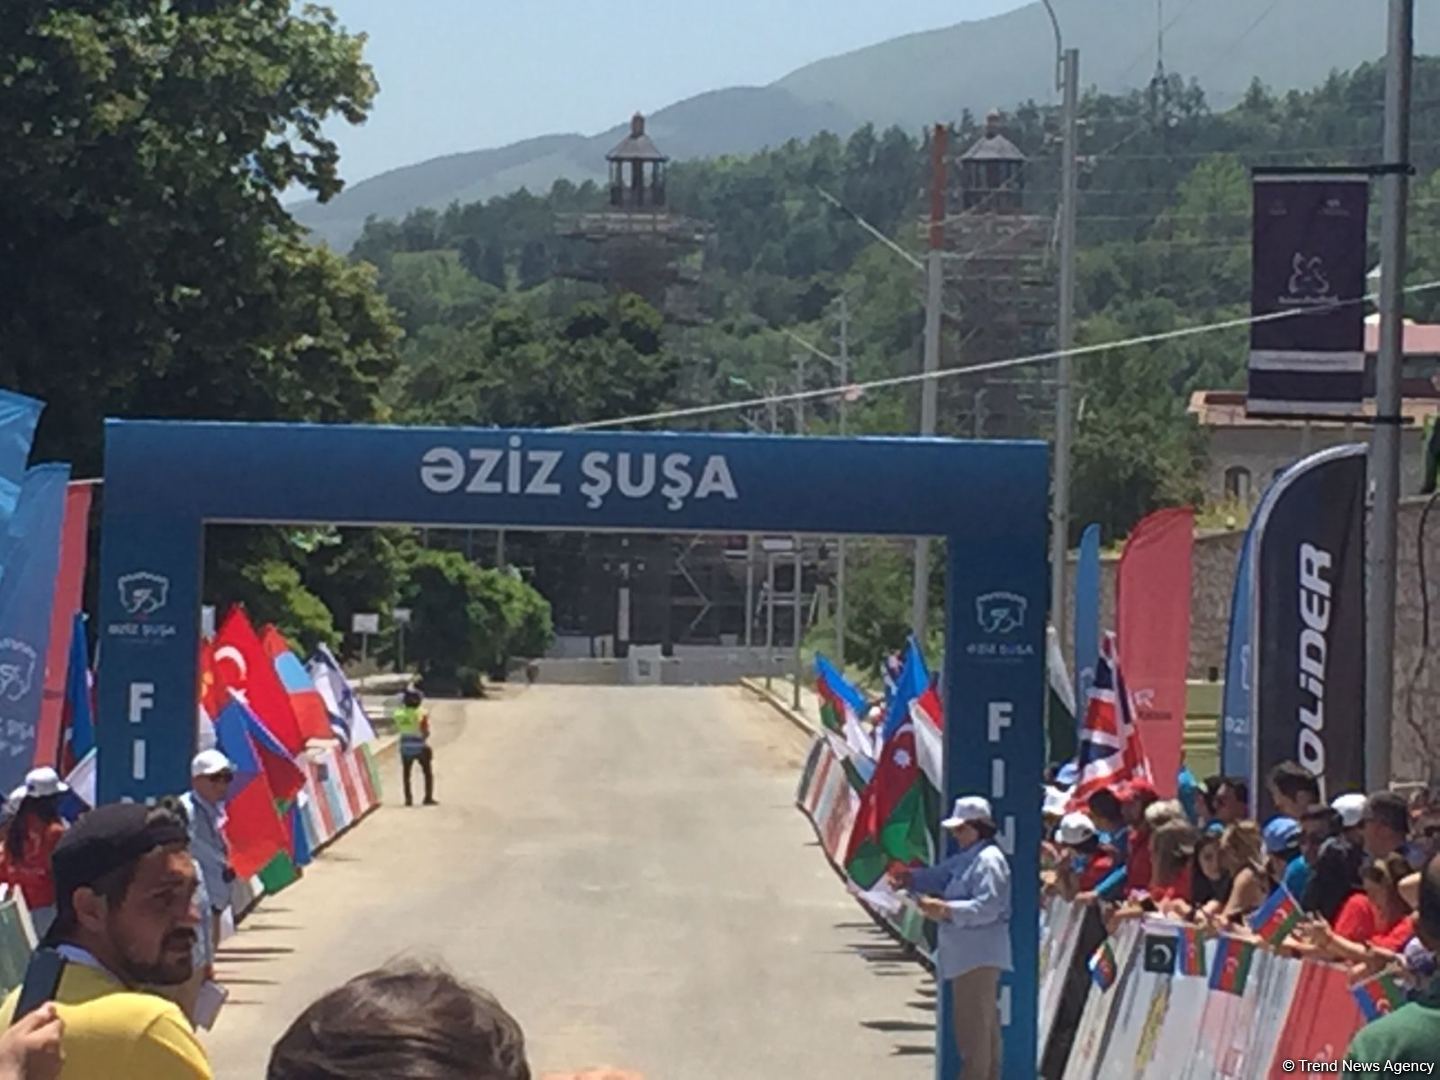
(1001, 612)
(144, 593)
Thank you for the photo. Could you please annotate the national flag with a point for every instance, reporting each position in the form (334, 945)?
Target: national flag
(278, 873)
(284, 776)
(305, 700)
(252, 824)
(77, 728)
(841, 706)
(348, 720)
(67, 603)
(1102, 966)
(1379, 995)
(914, 680)
(241, 664)
(1110, 749)
(890, 668)
(1277, 917)
(928, 715)
(82, 782)
(892, 823)
(1190, 952)
(1231, 969)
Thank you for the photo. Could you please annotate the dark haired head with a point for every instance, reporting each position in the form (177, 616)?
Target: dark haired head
(44, 807)
(1390, 810)
(1429, 921)
(1335, 876)
(1293, 780)
(1104, 803)
(986, 829)
(404, 1022)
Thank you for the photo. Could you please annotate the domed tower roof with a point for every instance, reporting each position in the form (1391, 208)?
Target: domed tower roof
(637, 145)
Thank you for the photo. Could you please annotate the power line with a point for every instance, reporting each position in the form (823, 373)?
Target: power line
(974, 369)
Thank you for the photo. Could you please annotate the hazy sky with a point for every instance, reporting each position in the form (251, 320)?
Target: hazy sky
(467, 74)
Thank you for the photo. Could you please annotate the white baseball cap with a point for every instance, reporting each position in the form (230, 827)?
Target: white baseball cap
(968, 809)
(1350, 807)
(210, 763)
(1054, 802)
(1075, 828)
(43, 782)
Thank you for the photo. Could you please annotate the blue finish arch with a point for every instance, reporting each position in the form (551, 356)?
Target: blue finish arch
(165, 480)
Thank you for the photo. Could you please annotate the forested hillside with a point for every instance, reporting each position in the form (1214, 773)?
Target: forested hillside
(1165, 244)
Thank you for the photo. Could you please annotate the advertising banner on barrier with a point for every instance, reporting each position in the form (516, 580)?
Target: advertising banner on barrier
(1152, 610)
(1308, 262)
(1309, 623)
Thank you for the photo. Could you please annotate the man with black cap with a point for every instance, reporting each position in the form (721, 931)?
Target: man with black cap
(1411, 1034)
(125, 896)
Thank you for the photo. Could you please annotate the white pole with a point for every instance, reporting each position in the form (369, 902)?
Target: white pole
(796, 622)
(840, 550)
(1385, 450)
(934, 281)
(1065, 333)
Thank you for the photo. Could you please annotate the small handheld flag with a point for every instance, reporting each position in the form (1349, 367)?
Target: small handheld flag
(1190, 952)
(1102, 966)
(1231, 970)
(1277, 917)
(1378, 996)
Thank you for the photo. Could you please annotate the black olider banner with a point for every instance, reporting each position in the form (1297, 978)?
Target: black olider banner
(1308, 260)
(1309, 607)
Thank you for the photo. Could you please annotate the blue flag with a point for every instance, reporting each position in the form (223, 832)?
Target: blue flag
(914, 680)
(27, 591)
(77, 723)
(1237, 739)
(1087, 616)
(18, 417)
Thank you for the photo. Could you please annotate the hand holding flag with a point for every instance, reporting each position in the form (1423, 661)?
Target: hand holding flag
(1277, 918)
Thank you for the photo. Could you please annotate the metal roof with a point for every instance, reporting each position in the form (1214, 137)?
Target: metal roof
(637, 145)
(993, 148)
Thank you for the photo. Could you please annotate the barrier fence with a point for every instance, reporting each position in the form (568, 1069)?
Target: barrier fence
(1150, 1023)
(341, 787)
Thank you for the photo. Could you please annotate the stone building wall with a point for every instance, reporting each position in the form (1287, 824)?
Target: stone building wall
(1416, 746)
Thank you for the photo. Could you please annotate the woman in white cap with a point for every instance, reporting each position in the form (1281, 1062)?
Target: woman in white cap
(968, 895)
(33, 833)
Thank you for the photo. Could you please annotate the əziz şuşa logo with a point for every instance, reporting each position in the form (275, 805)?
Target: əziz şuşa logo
(144, 593)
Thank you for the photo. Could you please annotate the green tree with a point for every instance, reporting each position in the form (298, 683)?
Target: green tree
(149, 265)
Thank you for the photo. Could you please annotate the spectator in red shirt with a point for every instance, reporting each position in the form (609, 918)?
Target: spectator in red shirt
(1088, 862)
(1172, 847)
(29, 842)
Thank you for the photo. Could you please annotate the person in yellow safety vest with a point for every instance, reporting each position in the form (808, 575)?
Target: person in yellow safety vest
(412, 723)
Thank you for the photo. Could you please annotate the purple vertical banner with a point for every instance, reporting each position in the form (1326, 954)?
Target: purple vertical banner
(1307, 347)
(27, 591)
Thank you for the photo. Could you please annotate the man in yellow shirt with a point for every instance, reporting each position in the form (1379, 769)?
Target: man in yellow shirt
(124, 888)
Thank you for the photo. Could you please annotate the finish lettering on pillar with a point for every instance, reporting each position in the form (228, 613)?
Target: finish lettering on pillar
(142, 700)
(1001, 716)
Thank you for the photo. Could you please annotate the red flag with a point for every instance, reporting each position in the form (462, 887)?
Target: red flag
(252, 824)
(305, 700)
(1152, 603)
(69, 583)
(1321, 1021)
(241, 664)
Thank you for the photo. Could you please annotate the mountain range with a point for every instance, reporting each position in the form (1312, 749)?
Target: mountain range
(918, 79)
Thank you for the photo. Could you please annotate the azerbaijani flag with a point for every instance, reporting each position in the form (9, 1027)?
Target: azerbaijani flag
(1102, 966)
(1190, 951)
(1379, 995)
(841, 706)
(893, 822)
(1231, 970)
(1277, 917)
(305, 700)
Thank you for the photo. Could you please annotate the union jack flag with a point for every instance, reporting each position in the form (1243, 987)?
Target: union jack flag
(1110, 748)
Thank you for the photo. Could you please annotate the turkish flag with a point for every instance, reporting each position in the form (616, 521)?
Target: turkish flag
(239, 663)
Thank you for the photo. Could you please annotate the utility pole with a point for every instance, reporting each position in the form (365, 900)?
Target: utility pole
(749, 592)
(920, 599)
(797, 623)
(769, 617)
(1385, 447)
(840, 547)
(799, 389)
(1065, 334)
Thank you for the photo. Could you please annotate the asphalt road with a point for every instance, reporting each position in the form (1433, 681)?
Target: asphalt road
(625, 869)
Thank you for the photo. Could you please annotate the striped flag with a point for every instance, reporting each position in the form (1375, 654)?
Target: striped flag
(1190, 952)
(1231, 970)
(1379, 995)
(1102, 966)
(841, 706)
(1110, 749)
(1277, 917)
(348, 720)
